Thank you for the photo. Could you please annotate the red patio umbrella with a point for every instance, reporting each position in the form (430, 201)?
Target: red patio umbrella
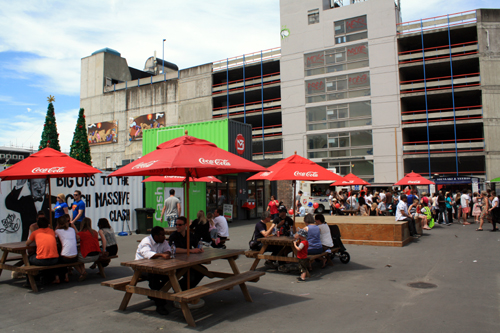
(350, 180)
(174, 179)
(413, 179)
(48, 163)
(296, 168)
(188, 157)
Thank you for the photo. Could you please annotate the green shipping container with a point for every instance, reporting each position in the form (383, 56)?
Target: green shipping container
(215, 131)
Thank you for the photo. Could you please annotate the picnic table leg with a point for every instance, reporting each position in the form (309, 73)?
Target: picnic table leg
(126, 298)
(31, 277)
(243, 286)
(184, 307)
(168, 285)
(3, 260)
(101, 269)
(257, 260)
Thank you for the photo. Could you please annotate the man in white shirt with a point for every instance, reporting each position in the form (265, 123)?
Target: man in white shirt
(402, 215)
(155, 247)
(369, 198)
(222, 227)
(382, 196)
(464, 208)
(353, 202)
(330, 202)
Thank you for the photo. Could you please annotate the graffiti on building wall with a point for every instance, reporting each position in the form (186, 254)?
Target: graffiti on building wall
(138, 125)
(103, 132)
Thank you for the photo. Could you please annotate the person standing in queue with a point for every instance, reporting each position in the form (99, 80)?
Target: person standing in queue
(155, 247)
(78, 208)
(298, 203)
(272, 207)
(171, 209)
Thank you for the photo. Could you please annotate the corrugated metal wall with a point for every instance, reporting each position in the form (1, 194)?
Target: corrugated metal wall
(235, 128)
(215, 131)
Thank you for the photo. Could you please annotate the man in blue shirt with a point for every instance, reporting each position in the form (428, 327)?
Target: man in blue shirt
(78, 209)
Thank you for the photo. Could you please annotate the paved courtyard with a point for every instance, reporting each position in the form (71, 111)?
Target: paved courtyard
(370, 294)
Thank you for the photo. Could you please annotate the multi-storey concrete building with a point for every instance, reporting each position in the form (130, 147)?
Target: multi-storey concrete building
(352, 88)
(366, 93)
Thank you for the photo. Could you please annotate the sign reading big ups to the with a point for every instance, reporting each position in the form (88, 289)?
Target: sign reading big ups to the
(113, 198)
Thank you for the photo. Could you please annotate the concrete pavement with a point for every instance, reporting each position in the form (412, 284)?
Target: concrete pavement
(371, 293)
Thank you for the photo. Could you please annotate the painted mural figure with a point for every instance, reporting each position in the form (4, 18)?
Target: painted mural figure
(28, 206)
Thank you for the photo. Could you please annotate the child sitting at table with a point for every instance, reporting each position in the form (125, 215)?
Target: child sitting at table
(302, 253)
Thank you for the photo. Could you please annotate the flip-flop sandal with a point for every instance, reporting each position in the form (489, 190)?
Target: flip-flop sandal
(479, 229)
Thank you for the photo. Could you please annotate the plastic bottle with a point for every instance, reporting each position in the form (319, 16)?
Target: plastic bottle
(173, 250)
(200, 244)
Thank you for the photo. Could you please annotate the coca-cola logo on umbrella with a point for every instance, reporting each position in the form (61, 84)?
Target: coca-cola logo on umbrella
(348, 182)
(48, 170)
(311, 174)
(240, 144)
(414, 182)
(144, 165)
(214, 162)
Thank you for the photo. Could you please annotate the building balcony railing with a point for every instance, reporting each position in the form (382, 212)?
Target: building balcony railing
(442, 114)
(253, 107)
(141, 82)
(267, 131)
(443, 146)
(247, 59)
(438, 52)
(268, 155)
(437, 22)
(442, 82)
(249, 83)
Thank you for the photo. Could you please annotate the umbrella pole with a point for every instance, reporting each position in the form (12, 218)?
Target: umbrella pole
(50, 203)
(186, 200)
(294, 188)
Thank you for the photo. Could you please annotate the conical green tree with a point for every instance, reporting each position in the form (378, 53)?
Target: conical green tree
(50, 137)
(80, 148)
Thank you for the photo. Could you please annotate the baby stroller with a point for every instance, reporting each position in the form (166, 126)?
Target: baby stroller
(337, 243)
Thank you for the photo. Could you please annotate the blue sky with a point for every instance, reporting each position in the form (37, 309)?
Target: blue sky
(42, 42)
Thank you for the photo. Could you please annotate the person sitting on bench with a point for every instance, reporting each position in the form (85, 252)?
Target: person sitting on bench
(179, 238)
(155, 247)
(46, 246)
(313, 235)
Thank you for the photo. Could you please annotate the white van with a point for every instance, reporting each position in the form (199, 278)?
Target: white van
(315, 192)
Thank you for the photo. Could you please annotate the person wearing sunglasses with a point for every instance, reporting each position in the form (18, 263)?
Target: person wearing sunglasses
(179, 238)
(78, 208)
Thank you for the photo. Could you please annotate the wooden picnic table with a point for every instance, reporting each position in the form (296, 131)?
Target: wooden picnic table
(17, 248)
(287, 247)
(21, 263)
(176, 268)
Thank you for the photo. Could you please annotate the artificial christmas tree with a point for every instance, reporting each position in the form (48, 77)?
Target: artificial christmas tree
(50, 137)
(80, 148)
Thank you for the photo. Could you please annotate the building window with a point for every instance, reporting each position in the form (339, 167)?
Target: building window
(363, 169)
(338, 87)
(339, 116)
(340, 144)
(336, 60)
(351, 29)
(313, 16)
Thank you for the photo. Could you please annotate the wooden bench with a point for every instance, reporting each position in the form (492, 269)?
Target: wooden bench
(251, 254)
(213, 287)
(118, 284)
(33, 270)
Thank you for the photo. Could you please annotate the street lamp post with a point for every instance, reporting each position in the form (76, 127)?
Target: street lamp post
(163, 58)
